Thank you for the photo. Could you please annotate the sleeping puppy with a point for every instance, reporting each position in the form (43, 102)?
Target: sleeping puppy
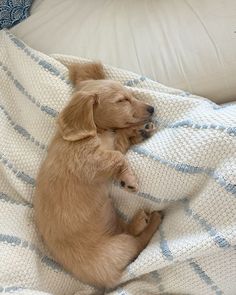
(73, 210)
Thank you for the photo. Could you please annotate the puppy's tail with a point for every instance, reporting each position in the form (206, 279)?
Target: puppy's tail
(87, 71)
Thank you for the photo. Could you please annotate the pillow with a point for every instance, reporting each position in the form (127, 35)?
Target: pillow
(13, 12)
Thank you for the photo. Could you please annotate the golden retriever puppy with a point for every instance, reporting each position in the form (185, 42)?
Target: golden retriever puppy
(73, 210)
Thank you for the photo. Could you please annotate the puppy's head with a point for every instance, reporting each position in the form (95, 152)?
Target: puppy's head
(98, 103)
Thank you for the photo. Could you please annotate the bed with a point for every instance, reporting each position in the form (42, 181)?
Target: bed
(186, 169)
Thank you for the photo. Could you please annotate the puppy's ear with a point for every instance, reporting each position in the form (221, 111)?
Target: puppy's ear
(88, 71)
(76, 120)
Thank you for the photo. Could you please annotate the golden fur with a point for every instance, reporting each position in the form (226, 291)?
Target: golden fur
(73, 210)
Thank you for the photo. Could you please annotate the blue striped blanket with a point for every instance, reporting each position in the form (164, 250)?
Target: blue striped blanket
(188, 169)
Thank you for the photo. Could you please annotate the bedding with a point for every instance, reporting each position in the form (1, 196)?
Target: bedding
(183, 44)
(187, 169)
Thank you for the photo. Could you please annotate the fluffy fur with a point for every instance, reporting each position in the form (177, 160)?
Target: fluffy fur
(73, 210)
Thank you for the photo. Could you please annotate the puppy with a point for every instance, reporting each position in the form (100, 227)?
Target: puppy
(73, 210)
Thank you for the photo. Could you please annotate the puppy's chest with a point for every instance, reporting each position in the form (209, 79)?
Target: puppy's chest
(107, 139)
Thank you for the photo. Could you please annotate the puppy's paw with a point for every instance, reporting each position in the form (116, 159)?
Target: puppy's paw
(143, 132)
(139, 222)
(128, 182)
(130, 187)
(147, 130)
(156, 218)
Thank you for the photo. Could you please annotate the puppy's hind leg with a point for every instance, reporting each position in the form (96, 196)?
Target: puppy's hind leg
(137, 225)
(117, 251)
(113, 255)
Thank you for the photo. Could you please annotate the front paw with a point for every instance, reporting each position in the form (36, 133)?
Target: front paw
(128, 182)
(142, 132)
(147, 130)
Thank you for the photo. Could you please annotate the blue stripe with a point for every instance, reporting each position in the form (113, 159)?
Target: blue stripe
(134, 82)
(188, 123)
(180, 167)
(188, 169)
(38, 60)
(164, 244)
(157, 200)
(121, 291)
(229, 187)
(185, 94)
(150, 197)
(21, 130)
(16, 241)
(216, 236)
(161, 288)
(51, 112)
(11, 289)
(19, 174)
(5, 198)
(222, 107)
(122, 215)
(157, 277)
(204, 277)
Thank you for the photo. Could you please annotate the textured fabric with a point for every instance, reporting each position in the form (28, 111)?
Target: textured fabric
(186, 44)
(13, 11)
(188, 168)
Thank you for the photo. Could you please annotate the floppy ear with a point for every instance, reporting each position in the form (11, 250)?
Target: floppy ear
(76, 119)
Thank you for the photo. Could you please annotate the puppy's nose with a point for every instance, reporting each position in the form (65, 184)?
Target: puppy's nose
(150, 109)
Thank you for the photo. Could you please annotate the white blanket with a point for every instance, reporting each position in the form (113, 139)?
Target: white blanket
(187, 168)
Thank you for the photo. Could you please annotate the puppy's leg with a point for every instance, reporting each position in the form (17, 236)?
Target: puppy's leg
(155, 221)
(137, 225)
(114, 223)
(127, 179)
(122, 140)
(133, 135)
(142, 132)
(139, 222)
(115, 253)
(113, 164)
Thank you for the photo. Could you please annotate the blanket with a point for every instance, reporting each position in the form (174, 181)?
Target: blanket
(187, 169)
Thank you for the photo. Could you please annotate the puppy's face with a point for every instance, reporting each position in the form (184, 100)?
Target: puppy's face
(103, 104)
(115, 106)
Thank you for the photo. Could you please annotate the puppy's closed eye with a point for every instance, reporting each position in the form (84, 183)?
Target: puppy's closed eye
(125, 99)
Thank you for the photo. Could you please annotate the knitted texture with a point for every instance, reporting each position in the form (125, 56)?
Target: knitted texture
(188, 169)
